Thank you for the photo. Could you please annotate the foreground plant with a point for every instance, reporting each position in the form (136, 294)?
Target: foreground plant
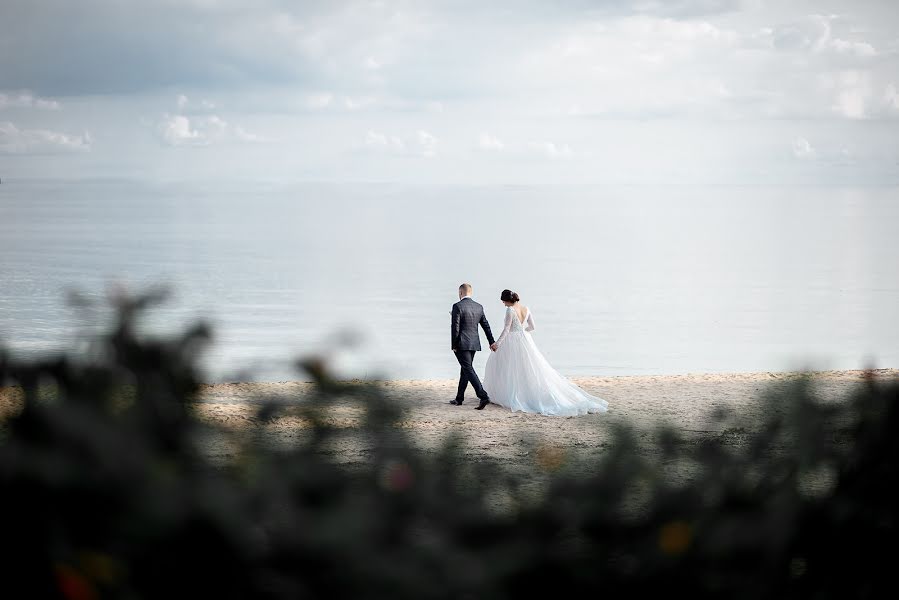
(105, 493)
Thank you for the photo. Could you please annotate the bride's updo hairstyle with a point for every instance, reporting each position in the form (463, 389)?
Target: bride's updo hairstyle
(509, 296)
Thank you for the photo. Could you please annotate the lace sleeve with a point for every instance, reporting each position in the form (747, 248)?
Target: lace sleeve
(507, 325)
(530, 326)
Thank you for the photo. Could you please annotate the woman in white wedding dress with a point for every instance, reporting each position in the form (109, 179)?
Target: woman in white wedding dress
(519, 377)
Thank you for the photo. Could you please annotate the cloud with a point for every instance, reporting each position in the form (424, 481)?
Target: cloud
(860, 49)
(358, 103)
(321, 100)
(384, 143)
(815, 34)
(393, 55)
(92, 46)
(423, 144)
(177, 131)
(330, 101)
(14, 140)
(427, 143)
(811, 33)
(540, 85)
(188, 106)
(551, 149)
(181, 130)
(245, 136)
(852, 91)
(855, 97)
(487, 141)
(684, 8)
(803, 149)
(891, 98)
(850, 103)
(26, 99)
(667, 68)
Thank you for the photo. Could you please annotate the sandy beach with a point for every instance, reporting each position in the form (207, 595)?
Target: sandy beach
(685, 402)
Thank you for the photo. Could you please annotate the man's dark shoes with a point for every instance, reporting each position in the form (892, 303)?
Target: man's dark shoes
(456, 402)
(482, 404)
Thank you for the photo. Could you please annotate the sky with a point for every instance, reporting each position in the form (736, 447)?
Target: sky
(464, 92)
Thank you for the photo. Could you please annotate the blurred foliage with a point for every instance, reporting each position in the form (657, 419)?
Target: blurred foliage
(105, 492)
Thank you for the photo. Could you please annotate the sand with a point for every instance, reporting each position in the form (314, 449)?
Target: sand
(685, 402)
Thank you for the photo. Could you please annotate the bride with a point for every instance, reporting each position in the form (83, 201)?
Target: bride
(519, 377)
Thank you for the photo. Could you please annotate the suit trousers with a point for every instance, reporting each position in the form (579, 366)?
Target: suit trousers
(468, 374)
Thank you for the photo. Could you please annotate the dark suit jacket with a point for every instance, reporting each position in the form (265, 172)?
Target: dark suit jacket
(467, 315)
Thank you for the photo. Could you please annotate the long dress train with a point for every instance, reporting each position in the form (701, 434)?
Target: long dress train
(520, 378)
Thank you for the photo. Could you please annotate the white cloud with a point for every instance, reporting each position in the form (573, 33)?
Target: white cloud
(636, 67)
(14, 140)
(427, 143)
(215, 127)
(811, 33)
(850, 103)
(181, 130)
(245, 136)
(891, 98)
(860, 49)
(177, 131)
(487, 141)
(318, 101)
(803, 149)
(330, 101)
(422, 144)
(815, 34)
(186, 105)
(384, 143)
(631, 84)
(357, 103)
(668, 68)
(852, 93)
(551, 149)
(26, 99)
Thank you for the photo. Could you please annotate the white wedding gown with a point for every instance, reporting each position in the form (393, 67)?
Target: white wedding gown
(519, 377)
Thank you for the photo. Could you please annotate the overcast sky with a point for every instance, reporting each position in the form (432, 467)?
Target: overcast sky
(527, 91)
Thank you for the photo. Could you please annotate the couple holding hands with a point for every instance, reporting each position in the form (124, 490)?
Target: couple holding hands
(517, 376)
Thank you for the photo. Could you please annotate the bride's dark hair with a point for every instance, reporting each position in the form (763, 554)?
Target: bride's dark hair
(509, 296)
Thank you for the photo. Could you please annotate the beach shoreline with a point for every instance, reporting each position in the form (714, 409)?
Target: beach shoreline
(686, 403)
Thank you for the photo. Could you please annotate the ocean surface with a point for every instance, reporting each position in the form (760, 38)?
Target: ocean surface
(620, 279)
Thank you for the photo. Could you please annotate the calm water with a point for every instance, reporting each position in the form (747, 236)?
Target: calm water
(621, 280)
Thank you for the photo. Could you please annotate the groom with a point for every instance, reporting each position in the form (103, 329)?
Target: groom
(467, 315)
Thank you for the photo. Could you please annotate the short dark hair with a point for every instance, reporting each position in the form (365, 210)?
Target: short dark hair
(465, 287)
(509, 296)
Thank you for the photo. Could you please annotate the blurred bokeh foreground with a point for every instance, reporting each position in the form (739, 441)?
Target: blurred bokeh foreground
(105, 493)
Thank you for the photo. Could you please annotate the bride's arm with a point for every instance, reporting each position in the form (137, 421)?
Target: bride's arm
(507, 325)
(530, 326)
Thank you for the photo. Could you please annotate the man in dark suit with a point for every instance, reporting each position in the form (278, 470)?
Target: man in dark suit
(467, 315)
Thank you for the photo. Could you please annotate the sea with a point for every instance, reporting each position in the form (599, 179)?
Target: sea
(621, 280)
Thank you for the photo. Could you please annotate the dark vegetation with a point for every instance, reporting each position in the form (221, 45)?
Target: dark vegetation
(105, 493)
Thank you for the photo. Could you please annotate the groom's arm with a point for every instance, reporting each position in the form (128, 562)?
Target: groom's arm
(455, 327)
(486, 326)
